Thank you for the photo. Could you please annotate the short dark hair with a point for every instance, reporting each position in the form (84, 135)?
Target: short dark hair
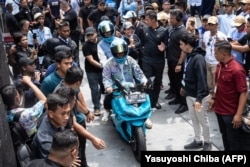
(18, 37)
(189, 38)
(64, 140)
(66, 92)
(54, 100)
(63, 24)
(59, 56)
(8, 93)
(224, 46)
(151, 14)
(73, 75)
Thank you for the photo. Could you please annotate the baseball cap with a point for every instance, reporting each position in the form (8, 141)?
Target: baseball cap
(162, 16)
(228, 3)
(37, 15)
(239, 20)
(212, 20)
(101, 1)
(127, 25)
(90, 30)
(205, 17)
(24, 61)
(245, 1)
(129, 14)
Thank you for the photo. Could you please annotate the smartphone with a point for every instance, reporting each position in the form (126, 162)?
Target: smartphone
(229, 39)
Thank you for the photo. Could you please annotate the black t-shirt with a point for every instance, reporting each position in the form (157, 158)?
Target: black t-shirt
(245, 40)
(174, 50)
(88, 49)
(71, 17)
(84, 12)
(95, 15)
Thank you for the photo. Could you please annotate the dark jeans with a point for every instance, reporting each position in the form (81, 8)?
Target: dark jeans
(82, 146)
(175, 81)
(193, 9)
(230, 136)
(107, 101)
(156, 70)
(95, 85)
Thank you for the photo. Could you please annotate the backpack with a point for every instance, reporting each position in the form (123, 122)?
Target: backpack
(21, 141)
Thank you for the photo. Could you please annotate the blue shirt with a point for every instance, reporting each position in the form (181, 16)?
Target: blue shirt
(225, 22)
(42, 35)
(235, 35)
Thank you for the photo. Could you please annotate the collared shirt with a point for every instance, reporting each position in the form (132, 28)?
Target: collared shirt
(209, 43)
(28, 118)
(231, 82)
(225, 22)
(126, 73)
(42, 35)
(235, 35)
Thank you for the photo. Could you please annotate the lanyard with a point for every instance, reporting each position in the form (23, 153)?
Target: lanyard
(185, 69)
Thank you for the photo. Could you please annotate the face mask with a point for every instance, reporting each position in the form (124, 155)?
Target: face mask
(121, 60)
(109, 39)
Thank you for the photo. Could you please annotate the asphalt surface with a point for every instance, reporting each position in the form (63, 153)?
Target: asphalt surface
(170, 132)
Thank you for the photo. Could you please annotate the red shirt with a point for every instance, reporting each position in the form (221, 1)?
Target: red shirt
(231, 82)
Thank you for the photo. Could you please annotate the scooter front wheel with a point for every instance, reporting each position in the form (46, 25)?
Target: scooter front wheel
(138, 142)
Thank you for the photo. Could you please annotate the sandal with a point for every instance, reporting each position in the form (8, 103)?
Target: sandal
(97, 113)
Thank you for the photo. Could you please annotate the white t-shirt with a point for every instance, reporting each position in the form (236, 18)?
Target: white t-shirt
(209, 44)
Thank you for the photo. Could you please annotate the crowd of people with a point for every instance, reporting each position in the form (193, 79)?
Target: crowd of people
(129, 41)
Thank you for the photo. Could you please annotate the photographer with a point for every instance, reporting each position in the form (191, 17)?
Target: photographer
(37, 34)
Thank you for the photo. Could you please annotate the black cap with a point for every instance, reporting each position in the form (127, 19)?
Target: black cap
(101, 1)
(90, 30)
(62, 48)
(24, 61)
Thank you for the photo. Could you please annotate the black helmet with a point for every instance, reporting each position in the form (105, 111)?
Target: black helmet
(119, 45)
(106, 26)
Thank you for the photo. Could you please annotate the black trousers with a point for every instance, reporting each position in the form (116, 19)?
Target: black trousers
(154, 70)
(82, 146)
(175, 79)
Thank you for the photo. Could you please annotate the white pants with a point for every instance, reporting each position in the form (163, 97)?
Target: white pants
(199, 119)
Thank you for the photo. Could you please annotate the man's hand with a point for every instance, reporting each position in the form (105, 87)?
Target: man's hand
(90, 117)
(210, 104)
(197, 106)
(37, 76)
(182, 92)
(26, 79)
(177, 68)
(109, 90)
(161, 47)
(76, 162)
(237, 121)
(98, 143)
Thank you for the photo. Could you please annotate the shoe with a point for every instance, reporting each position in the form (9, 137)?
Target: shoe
(167, 91)
(148, 124)
(97, 112)
(173, 102)
(170, 96)
(157, 106)
(207, 146)
(194, 145)
(181, 109)
(105, 117)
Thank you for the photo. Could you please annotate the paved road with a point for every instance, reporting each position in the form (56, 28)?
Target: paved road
(170, 132)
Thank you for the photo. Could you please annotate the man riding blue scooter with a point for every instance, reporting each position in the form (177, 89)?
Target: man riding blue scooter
(130, 104)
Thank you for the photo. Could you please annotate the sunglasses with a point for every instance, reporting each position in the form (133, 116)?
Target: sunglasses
(209, 42)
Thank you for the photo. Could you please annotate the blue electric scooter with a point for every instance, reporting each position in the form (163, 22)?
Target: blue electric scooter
(130, 108)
